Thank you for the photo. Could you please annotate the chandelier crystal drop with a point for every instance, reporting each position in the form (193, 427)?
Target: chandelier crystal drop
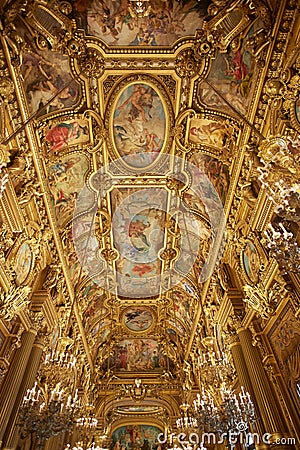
(186, 422)
(60, 355)
(3, 180)
(283, 247)
(78, 446)
(87, 422)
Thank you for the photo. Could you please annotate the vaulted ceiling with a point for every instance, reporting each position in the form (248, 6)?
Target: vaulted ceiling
(134, 148)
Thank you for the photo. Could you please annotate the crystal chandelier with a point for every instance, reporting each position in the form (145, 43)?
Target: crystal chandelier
(205, 411)
(284, 248)
(214, 366)
(284, 194)
(87, 422)
(186, 423)
(87, 426)
(48, 412)
(233, 414)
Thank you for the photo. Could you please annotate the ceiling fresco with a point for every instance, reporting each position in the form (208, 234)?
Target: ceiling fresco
(112, 22)
(133, 254)
(140, 158)
(45, 74)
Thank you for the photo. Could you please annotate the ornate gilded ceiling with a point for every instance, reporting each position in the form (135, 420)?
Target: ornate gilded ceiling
(132, 151)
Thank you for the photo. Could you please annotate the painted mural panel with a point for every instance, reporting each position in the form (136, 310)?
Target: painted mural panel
(141, 355)
(45, 73)
(217, 173)
(209, 132)
(138, 318)
(139, 124)
(67, 176)
(93, 307)
(163, 24)
(231, 75)
(138, 232)
(142, 437)
(183, 306)
(67, 133)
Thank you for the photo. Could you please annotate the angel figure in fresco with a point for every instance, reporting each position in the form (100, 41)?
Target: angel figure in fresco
(137, 235)
(138, 100)
(153, 142)
(64, 133)
(237, 68)
(213, 133)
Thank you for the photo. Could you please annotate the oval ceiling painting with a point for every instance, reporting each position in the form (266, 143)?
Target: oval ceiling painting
(23, 263)
(139, 124)
(137, 318)
(251, 262)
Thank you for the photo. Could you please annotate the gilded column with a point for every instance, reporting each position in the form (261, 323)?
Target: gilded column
(244, 380)
(11, 435)
(266, 402)
(13, 379)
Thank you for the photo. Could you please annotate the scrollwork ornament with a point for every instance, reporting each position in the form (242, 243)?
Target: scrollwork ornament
(169, 254)
(262, 11)
(262, 301)
(293, 89)
(4, 154)
(42, 336)
(6, 89)
(187, 66)
(65, 8)
(14, 301)
(70, 44)
(275, 88)
(216, 6)
(235, 322)
(91, 63)
(203, 46)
